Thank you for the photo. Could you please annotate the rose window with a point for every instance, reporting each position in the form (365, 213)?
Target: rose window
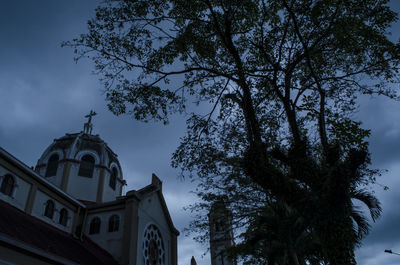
(153, 246)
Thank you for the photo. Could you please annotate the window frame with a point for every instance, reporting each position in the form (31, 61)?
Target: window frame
(113, 178)
(113, 223)
(8, 185)
(52, 166)
(49, 209)
(86, 167)
(63, 218)
(94, 226)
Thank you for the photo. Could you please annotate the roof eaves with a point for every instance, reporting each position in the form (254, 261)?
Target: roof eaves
(119, 200)
(35, 251)
(166, 212)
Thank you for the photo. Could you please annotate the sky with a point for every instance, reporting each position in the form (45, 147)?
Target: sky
(45, 94)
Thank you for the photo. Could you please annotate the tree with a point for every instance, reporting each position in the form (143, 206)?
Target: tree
(281, 79)
(279, 235)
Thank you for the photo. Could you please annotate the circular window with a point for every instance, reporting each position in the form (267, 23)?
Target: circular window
(153, 246)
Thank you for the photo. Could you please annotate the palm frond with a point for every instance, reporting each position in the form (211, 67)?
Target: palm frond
(366, 197)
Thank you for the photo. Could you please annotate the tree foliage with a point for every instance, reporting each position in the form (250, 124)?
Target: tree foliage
(280, 79)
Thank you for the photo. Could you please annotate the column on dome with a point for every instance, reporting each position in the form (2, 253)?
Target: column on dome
(65, 175)
(100, 187)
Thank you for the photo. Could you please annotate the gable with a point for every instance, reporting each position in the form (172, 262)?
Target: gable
(151, 210)
(153, 215)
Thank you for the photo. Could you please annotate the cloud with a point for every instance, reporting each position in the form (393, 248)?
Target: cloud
(380, 115)
(44, 94)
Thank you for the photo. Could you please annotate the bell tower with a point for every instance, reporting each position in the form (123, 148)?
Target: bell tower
(221, 234)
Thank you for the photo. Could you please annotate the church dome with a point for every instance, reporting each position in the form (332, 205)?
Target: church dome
(73, 144)
(84, 166)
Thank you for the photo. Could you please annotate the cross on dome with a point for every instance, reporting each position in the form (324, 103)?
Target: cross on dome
(88, 126)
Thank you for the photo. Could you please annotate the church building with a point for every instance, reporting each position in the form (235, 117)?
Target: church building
(70, 209)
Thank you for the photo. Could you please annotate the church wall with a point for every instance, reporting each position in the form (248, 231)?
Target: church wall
(151, 212)
(111, 241)
(39, 208)
(83, 188)
(20, 193)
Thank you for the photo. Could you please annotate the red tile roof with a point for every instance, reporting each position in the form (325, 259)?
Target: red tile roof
(22, 227)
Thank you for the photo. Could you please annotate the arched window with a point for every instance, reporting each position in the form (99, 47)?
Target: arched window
(52, 166)
(153, 246)
(113, 178)
(49, 210)
(113, 223)
(87, 166)
(7, 186)
(63, 217)
(95, 226)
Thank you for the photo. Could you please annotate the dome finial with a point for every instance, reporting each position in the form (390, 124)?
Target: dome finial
(88, 126)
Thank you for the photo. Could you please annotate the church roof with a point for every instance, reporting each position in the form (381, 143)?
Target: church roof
(39, 236)
(72, 143)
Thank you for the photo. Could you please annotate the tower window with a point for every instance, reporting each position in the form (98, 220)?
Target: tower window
(219, 226)
(113, 223)
(87, 166)
(63, 217)
(7, 186)
(52, 166)
(113, 178)
(95, 226)
(49, 210)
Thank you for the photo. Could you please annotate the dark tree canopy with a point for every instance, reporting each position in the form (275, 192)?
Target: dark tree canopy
(281, 79)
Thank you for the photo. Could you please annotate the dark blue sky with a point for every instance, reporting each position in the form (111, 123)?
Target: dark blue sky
(45, 94)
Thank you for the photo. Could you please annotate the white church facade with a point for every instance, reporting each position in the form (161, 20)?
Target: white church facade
(70, 209)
